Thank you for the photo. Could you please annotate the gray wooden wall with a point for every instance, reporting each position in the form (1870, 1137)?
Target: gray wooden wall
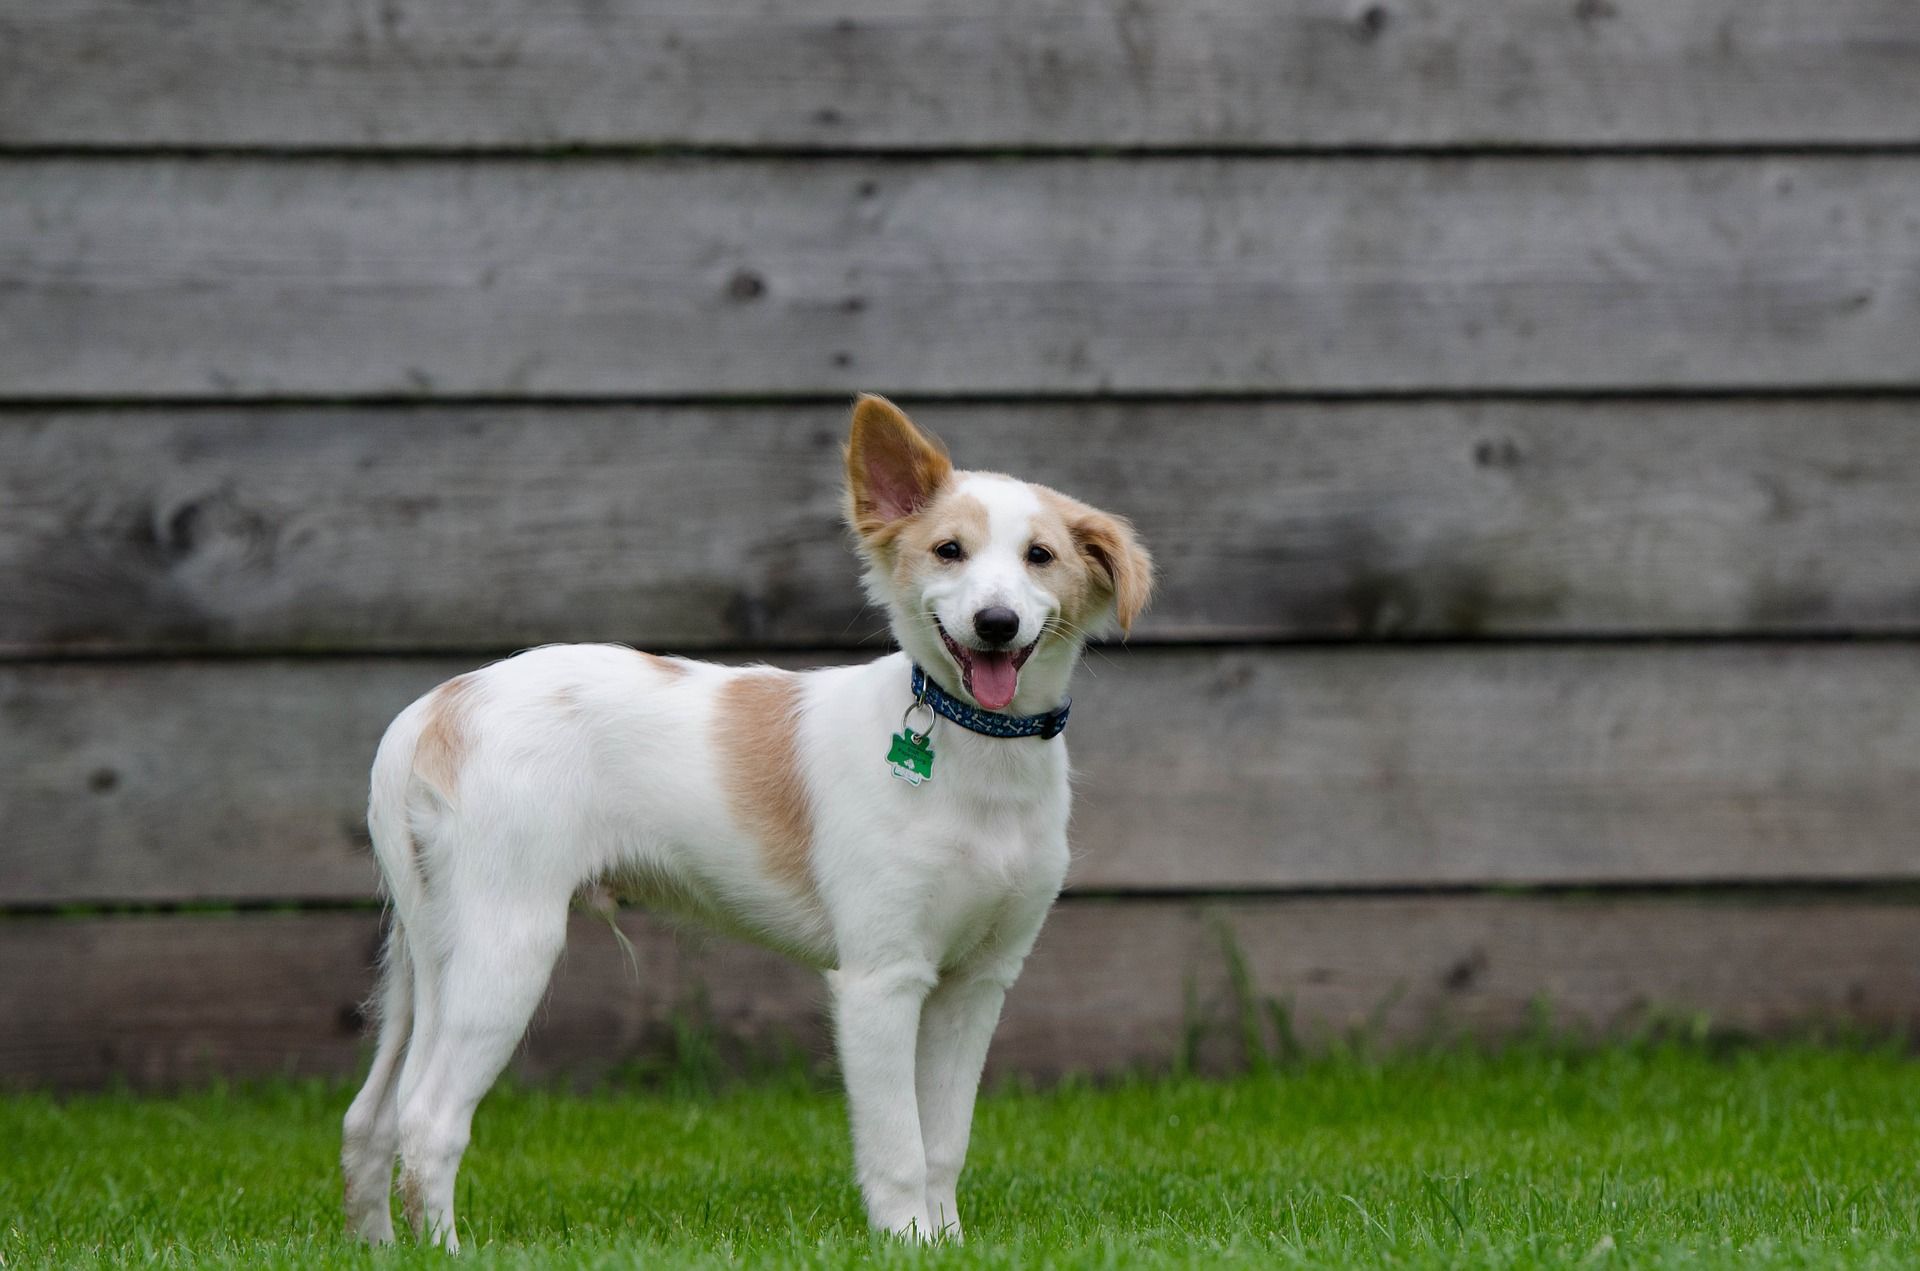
(1524, 402)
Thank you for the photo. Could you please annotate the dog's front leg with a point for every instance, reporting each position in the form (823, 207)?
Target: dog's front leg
(955, 1028)
(877, 1018)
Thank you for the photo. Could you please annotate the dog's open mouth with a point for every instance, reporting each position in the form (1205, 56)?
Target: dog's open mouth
(991, 676)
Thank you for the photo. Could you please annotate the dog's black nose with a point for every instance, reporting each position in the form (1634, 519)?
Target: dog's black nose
(997, 625)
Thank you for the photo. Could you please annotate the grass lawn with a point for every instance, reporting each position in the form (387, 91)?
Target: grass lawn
(1644, 1156)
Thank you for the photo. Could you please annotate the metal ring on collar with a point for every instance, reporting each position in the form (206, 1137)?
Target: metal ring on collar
(918, 703)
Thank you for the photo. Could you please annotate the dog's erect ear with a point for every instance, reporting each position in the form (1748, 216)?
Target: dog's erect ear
(893, 468)
(1108, 542)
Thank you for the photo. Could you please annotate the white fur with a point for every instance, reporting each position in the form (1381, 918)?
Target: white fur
(589, 761)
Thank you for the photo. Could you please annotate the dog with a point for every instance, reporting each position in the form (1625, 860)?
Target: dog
(900, 825)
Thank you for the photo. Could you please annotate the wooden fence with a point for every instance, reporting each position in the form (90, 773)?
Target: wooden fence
(1525, 409)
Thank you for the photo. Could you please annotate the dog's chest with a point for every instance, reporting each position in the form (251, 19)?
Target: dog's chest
(982, 870)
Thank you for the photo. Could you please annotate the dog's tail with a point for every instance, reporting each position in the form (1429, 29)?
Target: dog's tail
(390, 820)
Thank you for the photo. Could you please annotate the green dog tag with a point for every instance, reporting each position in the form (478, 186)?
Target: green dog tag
(911, 758)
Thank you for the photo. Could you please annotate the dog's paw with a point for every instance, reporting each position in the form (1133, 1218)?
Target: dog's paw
(913, 1230)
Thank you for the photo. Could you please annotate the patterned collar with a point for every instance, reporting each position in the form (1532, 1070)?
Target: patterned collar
(987, 723)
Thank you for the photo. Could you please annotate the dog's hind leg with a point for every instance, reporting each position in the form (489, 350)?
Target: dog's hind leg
(490, 980)
(370, 1135)
(372, 1128)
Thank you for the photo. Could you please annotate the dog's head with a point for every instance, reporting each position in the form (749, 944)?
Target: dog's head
(982, 574)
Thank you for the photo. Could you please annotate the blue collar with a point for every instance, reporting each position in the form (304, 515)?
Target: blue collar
(988, 723)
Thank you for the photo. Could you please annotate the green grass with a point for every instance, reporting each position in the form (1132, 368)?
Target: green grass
(1640, 1156)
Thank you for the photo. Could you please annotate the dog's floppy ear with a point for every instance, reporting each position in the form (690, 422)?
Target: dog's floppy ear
(1108, 542)
(893, 468)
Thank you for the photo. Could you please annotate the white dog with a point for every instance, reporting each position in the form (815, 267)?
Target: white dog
(901, 825)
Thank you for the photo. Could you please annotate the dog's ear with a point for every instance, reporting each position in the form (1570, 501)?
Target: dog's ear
(893, 468)
(1109, 544)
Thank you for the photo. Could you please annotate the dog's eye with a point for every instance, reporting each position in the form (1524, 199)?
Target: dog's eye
(949, 550)
(1038, 555)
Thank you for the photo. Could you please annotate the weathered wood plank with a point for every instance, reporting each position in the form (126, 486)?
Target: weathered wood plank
(906, 73)
(170, 1000)
(1110, 983)
(166, 1001)
(231, 278)
(460, 527)
(1197, 769)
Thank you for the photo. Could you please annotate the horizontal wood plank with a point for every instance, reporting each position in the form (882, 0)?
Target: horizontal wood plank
(1112, 986)
(995, 73)
(1195, 769)
(126, 279)
(466, 527)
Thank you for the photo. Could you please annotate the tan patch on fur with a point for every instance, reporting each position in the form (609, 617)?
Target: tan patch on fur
(951, 515)
(755, 727)
(1111, 565)
(672, 668)
(442, 749)
(1080, 588)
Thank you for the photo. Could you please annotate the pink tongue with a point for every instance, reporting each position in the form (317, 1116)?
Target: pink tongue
(994, 679)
